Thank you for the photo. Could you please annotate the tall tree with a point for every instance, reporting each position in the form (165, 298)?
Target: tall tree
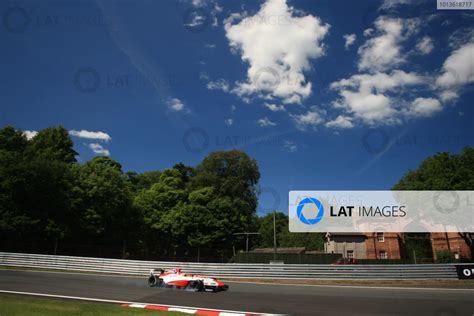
(233, 174)
(443, 171)
(54, 142)
(14, 221)
(106, 206)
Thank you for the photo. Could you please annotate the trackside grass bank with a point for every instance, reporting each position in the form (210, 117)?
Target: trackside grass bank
(12, 305)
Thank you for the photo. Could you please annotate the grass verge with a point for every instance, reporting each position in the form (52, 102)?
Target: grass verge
(13, 305)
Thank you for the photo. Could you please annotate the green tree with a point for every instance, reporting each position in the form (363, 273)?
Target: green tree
(442, 171)
(234, 177)
(311, 241)
(14, 221)
(54, 142)
(105, 205)
(154, 205)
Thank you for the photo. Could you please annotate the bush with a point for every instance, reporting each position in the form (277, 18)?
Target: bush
(445, 256)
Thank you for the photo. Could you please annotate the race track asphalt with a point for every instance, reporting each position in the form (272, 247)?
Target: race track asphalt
(262, 298)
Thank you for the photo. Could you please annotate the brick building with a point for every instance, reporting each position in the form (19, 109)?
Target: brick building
(390, 245)
(365, 245)
(453, 242)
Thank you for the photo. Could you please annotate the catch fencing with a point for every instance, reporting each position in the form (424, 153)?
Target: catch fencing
(234, 270)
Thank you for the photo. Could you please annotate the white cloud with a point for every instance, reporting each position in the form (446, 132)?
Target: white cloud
(310, 118)
(91, 135)
(175, 104)
(363, 95)
(210, 45)
(278, 45)
(378, 82)
(383, 51)
(203, 76)
(457, 71)
(349, 40)
(425, 45)
(229, 122)
(263, 122)
(30, 134)
(340, 122)
(368, 32)
(99, 150)
(198, 3)
(220, 84)
(390, 4)
(290, 146)
(274, 107)
(424, 107)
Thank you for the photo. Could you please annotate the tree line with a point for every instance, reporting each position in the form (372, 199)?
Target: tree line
(51, 202)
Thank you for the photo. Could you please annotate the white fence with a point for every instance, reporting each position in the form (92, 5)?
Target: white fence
(233, 270)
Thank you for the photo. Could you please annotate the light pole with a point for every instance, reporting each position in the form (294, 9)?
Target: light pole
(274, 238)
(247, 239)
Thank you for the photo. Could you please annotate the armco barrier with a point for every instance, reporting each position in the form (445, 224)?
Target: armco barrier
(234, 270)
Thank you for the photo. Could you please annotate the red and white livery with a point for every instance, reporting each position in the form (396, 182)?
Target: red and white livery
(176, 278)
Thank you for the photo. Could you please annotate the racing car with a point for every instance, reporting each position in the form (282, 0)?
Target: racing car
(176, 278)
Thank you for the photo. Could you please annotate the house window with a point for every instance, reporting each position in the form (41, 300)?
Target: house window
(383, 254)
(350, 254)
(380, 237)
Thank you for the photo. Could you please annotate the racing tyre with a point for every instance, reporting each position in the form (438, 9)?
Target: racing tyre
(196, 286)
(154, 281)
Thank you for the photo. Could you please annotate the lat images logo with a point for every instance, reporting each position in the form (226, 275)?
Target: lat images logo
(310, 203)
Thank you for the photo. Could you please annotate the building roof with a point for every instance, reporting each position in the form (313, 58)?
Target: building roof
(280, 250)
(345, 234)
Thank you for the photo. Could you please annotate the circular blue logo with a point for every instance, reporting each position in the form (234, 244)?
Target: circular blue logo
(310, 221)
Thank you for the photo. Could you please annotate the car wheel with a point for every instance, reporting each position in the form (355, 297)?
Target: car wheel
(152, 281)
(196, 286)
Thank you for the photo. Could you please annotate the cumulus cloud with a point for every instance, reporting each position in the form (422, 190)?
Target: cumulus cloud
(276, 67)
(309, 119)
(424, 107)
(340, 122)
(175, 104)
(274, 107)
(425, 45)
(99, 150)
(349, 40)
(365, 95)
(368, 32)
(264, 122)
(457, 71)
(390, 4)
(229, 122)
(30, 134)
(220, 84)
(91, 135)
(383, 51)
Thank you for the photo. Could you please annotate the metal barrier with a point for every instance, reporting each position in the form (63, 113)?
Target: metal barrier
(234, 270)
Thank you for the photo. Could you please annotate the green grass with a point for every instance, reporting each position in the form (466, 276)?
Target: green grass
(11, 305)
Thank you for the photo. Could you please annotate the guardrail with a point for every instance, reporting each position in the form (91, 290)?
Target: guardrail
(234, 270)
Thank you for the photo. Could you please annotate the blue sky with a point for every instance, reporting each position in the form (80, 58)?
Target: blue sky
(323, 94)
